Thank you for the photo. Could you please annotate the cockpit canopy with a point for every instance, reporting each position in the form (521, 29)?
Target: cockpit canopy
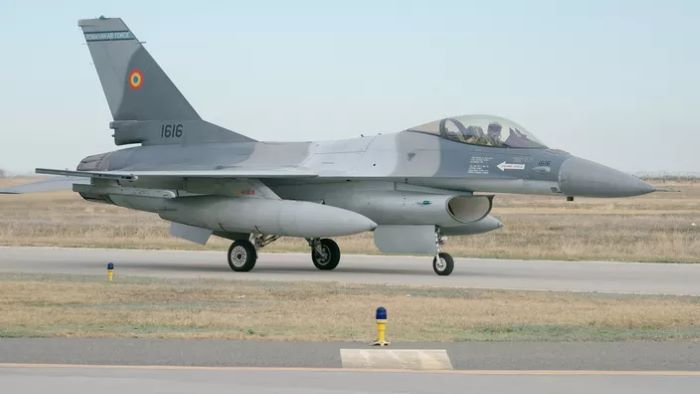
(485, 130)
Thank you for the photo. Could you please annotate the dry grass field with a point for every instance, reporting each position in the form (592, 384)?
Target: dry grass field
(83, 306)
(661, 227)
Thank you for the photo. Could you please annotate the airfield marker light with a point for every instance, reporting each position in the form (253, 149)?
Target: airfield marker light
(110, 271)
(381, 317)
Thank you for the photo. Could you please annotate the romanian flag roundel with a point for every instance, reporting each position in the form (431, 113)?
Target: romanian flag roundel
(135, 79)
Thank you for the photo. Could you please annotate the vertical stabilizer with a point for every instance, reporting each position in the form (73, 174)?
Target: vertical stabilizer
(135, 86)
(146, 106)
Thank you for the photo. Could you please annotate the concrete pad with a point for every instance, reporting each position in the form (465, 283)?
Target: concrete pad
(411, 359)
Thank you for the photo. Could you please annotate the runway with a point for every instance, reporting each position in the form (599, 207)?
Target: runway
(494, 356)
(580, 276)
(120, 379)
(75, 365)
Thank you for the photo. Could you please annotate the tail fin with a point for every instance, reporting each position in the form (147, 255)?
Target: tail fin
(145, 104)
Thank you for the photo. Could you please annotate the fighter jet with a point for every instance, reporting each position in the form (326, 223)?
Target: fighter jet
(411, 188)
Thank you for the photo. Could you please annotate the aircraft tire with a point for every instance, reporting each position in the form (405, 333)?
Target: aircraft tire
(242, 256)
(445, 265)
(330, 258)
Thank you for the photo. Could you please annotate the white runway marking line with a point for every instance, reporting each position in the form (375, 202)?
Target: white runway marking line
(410, 359)
(468, 372)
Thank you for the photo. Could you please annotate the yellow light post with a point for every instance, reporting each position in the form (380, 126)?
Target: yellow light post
(110, 271)
(381, 317)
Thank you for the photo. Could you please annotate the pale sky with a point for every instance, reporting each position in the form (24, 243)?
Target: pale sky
(617, 82)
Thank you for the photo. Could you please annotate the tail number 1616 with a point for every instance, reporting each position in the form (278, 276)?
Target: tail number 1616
(171, 130)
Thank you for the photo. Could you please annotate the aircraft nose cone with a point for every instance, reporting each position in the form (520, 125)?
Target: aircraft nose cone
(581, 177)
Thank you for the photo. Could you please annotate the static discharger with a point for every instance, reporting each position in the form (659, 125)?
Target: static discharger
(381, 317)
(110, 271)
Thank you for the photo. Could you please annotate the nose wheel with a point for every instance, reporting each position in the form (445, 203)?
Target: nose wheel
(443, 264)
(325, 254)
(242, 256)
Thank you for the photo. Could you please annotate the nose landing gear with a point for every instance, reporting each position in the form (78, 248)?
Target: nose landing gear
(443, 264)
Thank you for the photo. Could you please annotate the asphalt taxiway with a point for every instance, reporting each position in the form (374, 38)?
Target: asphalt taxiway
(579, 276)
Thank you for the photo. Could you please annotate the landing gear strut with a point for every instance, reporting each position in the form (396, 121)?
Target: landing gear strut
(325, 253)
(443, 264)
(242, 256)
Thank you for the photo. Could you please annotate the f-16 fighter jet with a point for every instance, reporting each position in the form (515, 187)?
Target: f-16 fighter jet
(411, 188)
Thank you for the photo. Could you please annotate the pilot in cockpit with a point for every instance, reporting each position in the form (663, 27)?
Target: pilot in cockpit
(494, 133)
(482, 130)
(473, 134)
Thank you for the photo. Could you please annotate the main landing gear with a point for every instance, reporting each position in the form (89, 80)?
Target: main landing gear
(242, 256)
(243, 253)
(325, 253)
(443, 264)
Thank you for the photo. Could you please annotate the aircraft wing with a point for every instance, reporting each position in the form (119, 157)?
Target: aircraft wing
(83, 177)
(231, 172)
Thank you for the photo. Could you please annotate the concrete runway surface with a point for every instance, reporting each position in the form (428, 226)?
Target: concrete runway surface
(589, 276)
(580, 356)
(148, 379)
(72, 365)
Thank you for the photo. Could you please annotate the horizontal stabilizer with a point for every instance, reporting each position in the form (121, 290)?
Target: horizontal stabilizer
(241, 172)
(86, 174)
(47, 185)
